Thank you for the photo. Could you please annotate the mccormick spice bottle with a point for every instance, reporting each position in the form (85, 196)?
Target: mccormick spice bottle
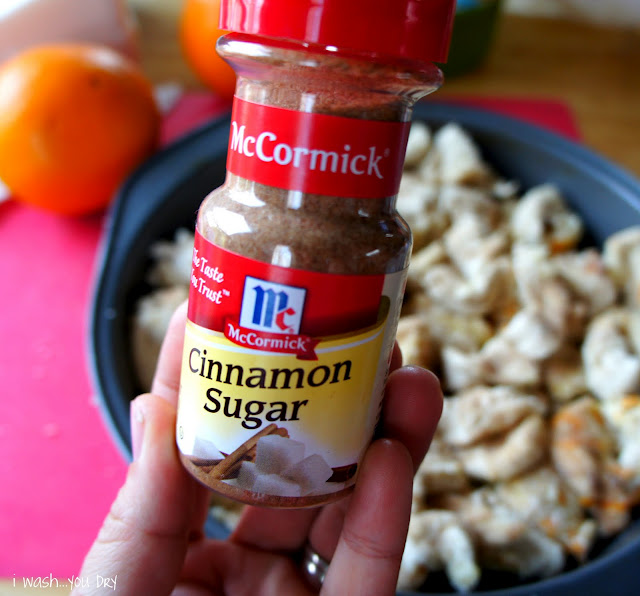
(300, 258)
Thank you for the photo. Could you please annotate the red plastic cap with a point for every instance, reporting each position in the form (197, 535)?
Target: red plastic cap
(413, 29)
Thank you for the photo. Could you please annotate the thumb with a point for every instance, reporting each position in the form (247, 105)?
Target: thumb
(143, 541)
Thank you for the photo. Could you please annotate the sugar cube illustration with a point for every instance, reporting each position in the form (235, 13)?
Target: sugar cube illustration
(281, 469)
(247, 475)
(275, 453)
(310, 473)
(204, 449)
(274, 484)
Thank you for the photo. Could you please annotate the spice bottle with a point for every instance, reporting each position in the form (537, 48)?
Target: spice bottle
(300, 258)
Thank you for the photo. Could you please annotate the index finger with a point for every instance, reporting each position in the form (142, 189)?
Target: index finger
(369, 550)
(166, 381)
(411, 411)
(412, 407)
(166, 384)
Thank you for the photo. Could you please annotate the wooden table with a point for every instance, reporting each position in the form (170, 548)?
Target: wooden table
(594, 70)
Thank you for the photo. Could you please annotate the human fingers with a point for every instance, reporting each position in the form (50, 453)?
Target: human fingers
(260, 527)
(166, 381)
(224, 567)
(412, 409)
(396, 358)
(145, 536)
(166, 384)
(284, 530)
(369, 551)
(368, 554)
(274, 529)
(410, 414)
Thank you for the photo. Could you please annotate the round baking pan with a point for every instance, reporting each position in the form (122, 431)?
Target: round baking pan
(164, 194)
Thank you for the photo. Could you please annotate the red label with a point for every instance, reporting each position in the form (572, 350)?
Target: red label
(316, 153)
(302, 346)
(267, 307)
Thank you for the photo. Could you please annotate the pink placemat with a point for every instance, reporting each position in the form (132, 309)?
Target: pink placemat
(60, 467)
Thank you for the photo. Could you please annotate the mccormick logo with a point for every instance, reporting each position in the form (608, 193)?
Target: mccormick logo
(270, 319)
(272, 307)
(268, 148)
(316, 153)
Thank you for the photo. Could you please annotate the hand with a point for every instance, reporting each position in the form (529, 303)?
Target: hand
(152, 539)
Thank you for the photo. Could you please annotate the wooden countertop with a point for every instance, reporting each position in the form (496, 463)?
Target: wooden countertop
(595, 70)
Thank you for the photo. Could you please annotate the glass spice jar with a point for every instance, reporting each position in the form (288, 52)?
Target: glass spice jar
(300, 258)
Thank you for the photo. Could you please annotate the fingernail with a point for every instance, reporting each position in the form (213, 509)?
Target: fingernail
(136, 421)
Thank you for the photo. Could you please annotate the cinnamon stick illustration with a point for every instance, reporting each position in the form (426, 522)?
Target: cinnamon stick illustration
(245, 451)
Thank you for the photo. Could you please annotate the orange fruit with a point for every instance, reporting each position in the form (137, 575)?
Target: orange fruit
(74, 121)
(199, 31)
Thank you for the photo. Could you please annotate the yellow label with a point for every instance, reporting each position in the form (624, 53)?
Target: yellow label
(230, 396)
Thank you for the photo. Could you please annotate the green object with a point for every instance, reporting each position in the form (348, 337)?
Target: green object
(473, 33)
